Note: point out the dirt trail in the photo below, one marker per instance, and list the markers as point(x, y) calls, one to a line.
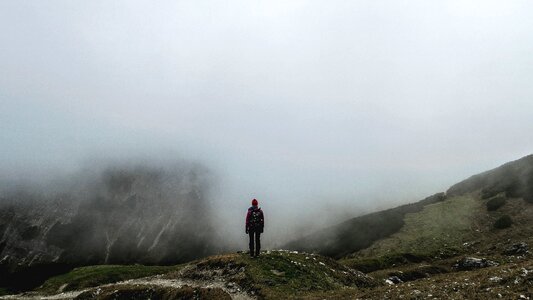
point(233, 290)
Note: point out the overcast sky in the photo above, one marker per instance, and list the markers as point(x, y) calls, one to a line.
point(302, 104)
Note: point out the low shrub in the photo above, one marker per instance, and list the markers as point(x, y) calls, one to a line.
point(495, 203)
point(503, 222)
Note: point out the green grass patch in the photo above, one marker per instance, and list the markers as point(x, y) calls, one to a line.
point(437, 227)
point(292, 276)
point(92, 276)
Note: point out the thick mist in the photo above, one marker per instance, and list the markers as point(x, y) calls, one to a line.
point(138, 210)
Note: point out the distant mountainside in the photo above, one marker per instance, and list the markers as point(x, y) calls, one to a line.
point(121, 215)
point(464, 199)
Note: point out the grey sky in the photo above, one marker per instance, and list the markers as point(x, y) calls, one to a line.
point(307, 105)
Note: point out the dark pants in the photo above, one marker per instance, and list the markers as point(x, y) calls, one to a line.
point(255, 235)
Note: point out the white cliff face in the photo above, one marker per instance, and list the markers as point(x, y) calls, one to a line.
point(125, 215)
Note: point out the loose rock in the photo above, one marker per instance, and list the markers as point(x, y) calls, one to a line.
point(470, 263)
point(519, 248)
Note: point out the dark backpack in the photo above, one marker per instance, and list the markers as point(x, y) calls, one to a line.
point(255, 218)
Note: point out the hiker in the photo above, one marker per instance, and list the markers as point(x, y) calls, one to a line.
point(255, 222)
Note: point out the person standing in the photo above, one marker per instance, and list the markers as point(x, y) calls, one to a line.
point(255, 223)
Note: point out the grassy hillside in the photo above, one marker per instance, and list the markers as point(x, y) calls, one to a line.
point(459, 226)
point(360, 232)
point(274, 275)
point(281, 274)
point(438, 226)
point(462, 201)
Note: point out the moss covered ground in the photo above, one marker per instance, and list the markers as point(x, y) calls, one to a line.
point(289, 274)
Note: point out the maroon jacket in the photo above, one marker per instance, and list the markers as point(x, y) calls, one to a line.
point(255, 227)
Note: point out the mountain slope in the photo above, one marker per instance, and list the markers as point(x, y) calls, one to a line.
point(514, 178)
point(468, 216)
point(118, 215)
point(439, 226)
point(360, 232)
point(435, 215)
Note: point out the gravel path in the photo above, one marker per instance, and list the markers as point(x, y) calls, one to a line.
point(232, 289)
